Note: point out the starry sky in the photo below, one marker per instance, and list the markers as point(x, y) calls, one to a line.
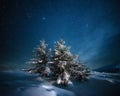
point(90, 27)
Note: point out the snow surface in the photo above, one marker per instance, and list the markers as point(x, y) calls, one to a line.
point(19, 83)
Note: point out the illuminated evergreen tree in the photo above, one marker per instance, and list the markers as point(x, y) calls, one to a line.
point(40, 58)
point(58, 64)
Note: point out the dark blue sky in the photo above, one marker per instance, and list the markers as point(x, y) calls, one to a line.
point(90, 27)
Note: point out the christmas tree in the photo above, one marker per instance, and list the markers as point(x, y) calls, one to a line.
point(58, 64)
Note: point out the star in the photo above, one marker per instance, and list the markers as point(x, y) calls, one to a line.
point(43, 18)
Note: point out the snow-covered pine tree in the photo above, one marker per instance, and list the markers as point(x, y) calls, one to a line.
point(58, 64)
point(40, 58)
point(64, 61)
point(61, 57)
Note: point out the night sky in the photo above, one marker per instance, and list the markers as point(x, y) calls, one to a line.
point(90, 27)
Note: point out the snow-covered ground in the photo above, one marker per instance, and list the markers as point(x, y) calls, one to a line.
point(19, 83)
point(110, 77)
